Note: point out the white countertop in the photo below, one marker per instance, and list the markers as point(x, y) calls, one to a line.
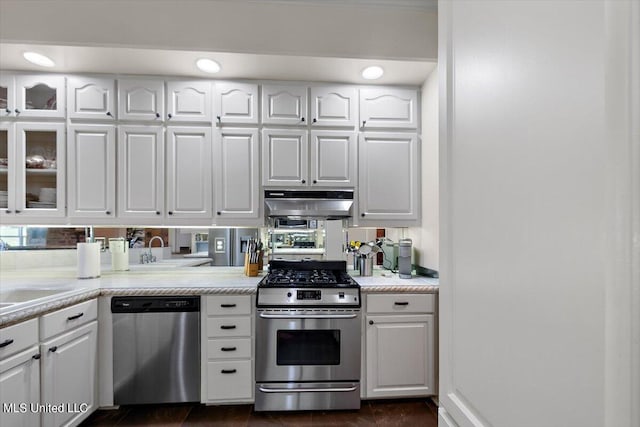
point(173, 276)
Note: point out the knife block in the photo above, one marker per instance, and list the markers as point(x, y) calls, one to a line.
point(250, 269)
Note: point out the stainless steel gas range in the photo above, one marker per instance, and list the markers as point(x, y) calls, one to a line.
point(308, 334)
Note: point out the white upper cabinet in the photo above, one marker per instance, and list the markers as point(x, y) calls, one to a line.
point(284, 157)
point(236, 160)
point(388, 178)
point(333, 158)
point(188, 173)
point(284, 105)
point(333, 106)
point(388, 108)
point(189, 101)
point(92, 171)
point(141, 173)
point(141, 100)
point(7, 95)
point(236, 103)
point(39, 96)
point(92, 98)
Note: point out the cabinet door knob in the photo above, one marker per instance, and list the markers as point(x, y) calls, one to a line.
point(219, 119)
point(314, 120)
point(7, 110)
point(53, 349)
point(36, 356)
point(371, 322)
point(17, 211)
point(302, 119)
point(218, 213)
point(109, 114)
point(169, 115)
point(157, 115)
point(304, 181)
point(364, 122)
point(108, 212)
point(157, 212)
point(315, 181)
point(17, 111)
point(362, 214)
point(170, 213)
point(8, 211)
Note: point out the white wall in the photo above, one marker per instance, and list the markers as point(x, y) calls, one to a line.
point(426, 238)
point(527, 219)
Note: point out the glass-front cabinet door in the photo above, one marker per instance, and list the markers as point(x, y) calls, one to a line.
point(39, 170)
point(40, 96)
point(7, 166)
point(7, 95)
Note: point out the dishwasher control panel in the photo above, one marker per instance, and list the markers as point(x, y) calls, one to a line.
point(155, 304)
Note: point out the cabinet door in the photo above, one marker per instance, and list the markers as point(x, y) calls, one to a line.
point(333, 158)
point(7, 169)
point(69, 373)
point(284, 157)
point(141, 173)
point(388, 108)
point(141, 100)
point(284, 105)
point(333, 106)
point(7, 96)
point(400, 356)
point(40, 170)
point(19, 388)
point(189, 182)
point(189, 101)
point(236, 103)
point(92, 171)
point(237, 174)
point(388, 177)
point(92, 98)
point(40, 96)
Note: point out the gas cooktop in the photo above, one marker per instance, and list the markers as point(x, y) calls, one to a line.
point(317, 274)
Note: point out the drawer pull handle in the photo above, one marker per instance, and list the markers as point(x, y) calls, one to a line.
point(227, 305)
point(228, 327)
point(6, 343)
point(77, 316)
point(401, 303)
point(53, 349)
point(228, 349)
point(36, 356)
point(228, 371)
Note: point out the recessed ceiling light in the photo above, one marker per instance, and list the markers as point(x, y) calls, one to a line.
point(372, 73)
point(208, 65)
point(38, 59)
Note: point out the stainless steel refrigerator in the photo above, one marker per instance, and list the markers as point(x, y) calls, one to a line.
point(228, 245)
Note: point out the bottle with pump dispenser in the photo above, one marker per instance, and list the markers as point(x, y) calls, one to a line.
point(404, 258)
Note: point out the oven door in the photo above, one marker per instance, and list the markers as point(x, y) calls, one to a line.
point(307, 345)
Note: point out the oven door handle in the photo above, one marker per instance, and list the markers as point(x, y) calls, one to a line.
point(307, 316)
point(307, 390)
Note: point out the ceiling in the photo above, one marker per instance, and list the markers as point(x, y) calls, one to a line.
point(309, 40)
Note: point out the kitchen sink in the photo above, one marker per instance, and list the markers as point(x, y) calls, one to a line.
point(22, 295)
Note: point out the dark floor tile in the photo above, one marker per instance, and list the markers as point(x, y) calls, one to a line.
point(105, 417)
point(284, 419)
point(360, 418)
point(400, 413)
point(156, 415)
point(218, 416)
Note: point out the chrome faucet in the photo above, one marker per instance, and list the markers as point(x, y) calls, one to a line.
point(150, 257)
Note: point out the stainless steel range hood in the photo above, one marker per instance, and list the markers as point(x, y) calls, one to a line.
point(315, 204)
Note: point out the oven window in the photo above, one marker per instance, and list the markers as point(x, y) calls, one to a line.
point(308, 347)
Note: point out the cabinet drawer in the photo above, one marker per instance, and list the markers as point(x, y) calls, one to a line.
point(228, 327)
point(68, 318)
point(233, 348)
point(18, 337)
point(224, 305)
point(401, 303)
point(229, 380)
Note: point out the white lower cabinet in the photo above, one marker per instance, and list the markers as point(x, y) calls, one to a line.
point(227, 349)
point(400, 345)
point(19, 375)
point(69, 375)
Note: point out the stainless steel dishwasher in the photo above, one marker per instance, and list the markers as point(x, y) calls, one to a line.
point(156, 349)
